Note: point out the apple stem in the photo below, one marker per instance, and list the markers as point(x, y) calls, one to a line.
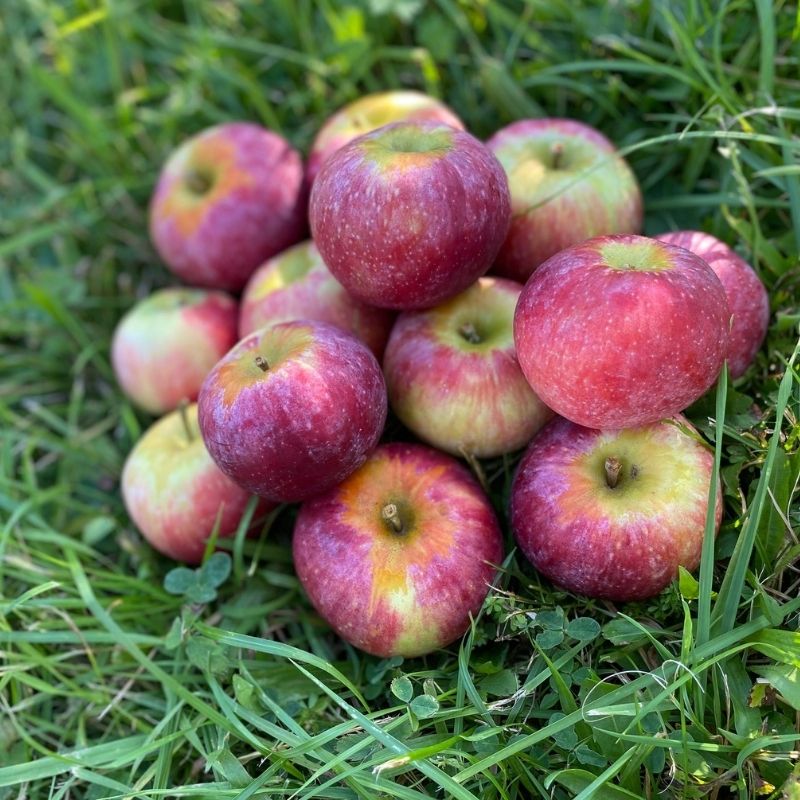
point(187, 428)
point(613, 467)
point(557, 150)
point(390, 514)
point(262, 363)
point(470, 333)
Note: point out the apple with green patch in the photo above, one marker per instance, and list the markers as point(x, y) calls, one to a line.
point(296, 284)
point(164, 347)
point(400, 555)
point(226, 200)
point(293, 409)
point(613, 514)
point(453, 376)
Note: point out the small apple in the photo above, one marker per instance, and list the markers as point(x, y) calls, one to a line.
point(747, 297)
point(371, 112)
point(613, 514)
point(453, 377)
point(164, 347)
point(567, 184)
point(293, 409)
point(173, 491)
point(398, 557)
point(226, 200)
point(410, 214)
point(297, 285)
point(621, 330)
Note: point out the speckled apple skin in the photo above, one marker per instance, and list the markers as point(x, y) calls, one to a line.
point(174, 492)
point(255, 208)
point(747, 297)
point(371, 112)
point(616, 348)
point(401, 594)
point(619, 544)
point(164, 347)
point(297, 285)
point(409, 230)
point(306, 423)
point(551, 210)
point(459, 396)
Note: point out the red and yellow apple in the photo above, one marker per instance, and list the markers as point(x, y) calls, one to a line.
point(613, 514)
point(621, 331)
point(293, 409)
point(453, 377)
point(297, 285)
point(410, 215)
point(226, 200)
point(164, 347)
point(399, 555)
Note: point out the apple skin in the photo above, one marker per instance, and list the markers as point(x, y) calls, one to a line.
point(301, 424)
point(410, 215)
point(371, 112)
point(621, 331)
point(174, 492)
point(226, 200)
point(747, 297)
point(551, 210)
point(296, 284)
point(164, 347)
point(459, 395)
point(624, 543)
point(401, 593)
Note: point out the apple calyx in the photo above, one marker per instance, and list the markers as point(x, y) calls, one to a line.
point(183, 407)
point(262, 363)
point(391, 516)
point(470, 333)
point(556, 151)
point(198, 182)
point(613, 467)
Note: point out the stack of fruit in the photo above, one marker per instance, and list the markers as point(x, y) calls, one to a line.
point(589, 364)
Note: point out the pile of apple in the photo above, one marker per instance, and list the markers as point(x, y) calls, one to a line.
point(589, 363)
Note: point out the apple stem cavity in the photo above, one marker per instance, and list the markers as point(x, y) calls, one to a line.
point(183, 407)
point(469, 332)
point(557, 151)
point(262, 363)
point(613, 467)
point(197, 182)
point(391, 516)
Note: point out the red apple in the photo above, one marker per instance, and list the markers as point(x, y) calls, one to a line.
point(371, 112)
point(293, 409)
point(399, 556)
point(453, 377)
point(621, 330)
point(164, 347)
point(174, 492)
point(410, 214)
point(297, 285)
point(613, 514)
point(228, 199)
point(747, 297)
point(567, 184)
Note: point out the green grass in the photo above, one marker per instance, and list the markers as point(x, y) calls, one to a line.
point(112, 687)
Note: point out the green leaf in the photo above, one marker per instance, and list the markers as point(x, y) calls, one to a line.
point(207, 656)
point(97, 529)
point(587, 756)
point(500, 684)
point(402, 689)
point(566, 738)
point(424, 706)
point(550, 620)
point(174, 635)
point(621, 631)
point(549, 639)
point(687, 584)
point(216, 570)
point(785, 679)
point(584, 629)
point(180, 580)
point(200, 593)
point(578, 779)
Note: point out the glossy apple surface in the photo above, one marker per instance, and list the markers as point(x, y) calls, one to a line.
point(398, 556)
point(567, 184)
point(453, 376)
point(164, 347)
point(612, 514)
point(173, 491)
point(621, 331)
point(293, 409)
point(297, 285)
point(747, 297)
point(410, 215)
point(371, 112)
point(226, 200)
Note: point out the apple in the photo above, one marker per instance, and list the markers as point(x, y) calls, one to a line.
point(567, 184)
point(371, 112)
point(410, 214)
point(296, 284)
point(226, 200)
point(293, 409)
point(621, 330)
point(613, 514)
point(400, 555)
point(173, 491)
point(747, 297)
point(164, 347)
point(453, 377)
